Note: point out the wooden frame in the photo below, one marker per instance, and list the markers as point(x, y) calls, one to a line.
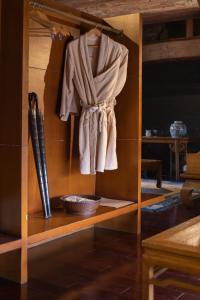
point(192, 181)
point(176, 249)
point(177, 146)
point(13, 140)
point(23, 199)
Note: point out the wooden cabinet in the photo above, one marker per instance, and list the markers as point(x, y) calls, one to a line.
point(34, 63)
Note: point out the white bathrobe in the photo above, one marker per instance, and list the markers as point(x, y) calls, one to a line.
point(91, 87)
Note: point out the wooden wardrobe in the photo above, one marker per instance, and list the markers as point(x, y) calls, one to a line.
point(34, 63)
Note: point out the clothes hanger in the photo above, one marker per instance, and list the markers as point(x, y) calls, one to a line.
point(94, 36)
point(94, 31)
point(49, 28)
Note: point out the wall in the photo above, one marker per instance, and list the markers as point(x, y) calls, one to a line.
point(11, 116)
point(171, 91)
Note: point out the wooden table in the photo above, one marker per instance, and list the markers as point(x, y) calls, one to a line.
point(177, 248)
point(176, 145)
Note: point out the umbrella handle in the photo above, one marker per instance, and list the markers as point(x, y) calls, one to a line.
point(33, 100)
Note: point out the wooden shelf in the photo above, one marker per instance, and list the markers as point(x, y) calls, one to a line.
point(150, 199)
point(9, 243)
point(41, 230)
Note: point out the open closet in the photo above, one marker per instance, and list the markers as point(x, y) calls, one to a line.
point(33, 38)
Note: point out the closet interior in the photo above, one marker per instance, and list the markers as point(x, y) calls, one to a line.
point(33, 41)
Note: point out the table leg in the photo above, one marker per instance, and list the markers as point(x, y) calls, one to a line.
point(171, 163)
point(148, 288)
point(177, 160)
point(159, 176)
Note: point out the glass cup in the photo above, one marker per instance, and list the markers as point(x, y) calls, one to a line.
point(148, 132)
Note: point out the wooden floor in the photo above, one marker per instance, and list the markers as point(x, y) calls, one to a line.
point(95, 265)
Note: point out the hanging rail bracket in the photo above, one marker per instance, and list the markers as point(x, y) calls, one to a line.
point(37, 5)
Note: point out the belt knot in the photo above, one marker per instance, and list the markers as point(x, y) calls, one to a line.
point(101, 107)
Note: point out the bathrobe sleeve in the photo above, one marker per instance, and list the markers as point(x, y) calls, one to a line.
point(69, 100)
point(122, 75)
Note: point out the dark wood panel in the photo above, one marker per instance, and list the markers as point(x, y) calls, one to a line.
point(11, 74)
point(10, 190)
point(10, 264)
point(171, 15)
point(13, 138)
point(125, 223)
point(5, 238)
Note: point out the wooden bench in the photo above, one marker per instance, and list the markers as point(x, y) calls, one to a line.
point(153, 165)
point(192, 180)
point(177, 249)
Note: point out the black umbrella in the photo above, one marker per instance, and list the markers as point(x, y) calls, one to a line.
point(40, 123)
point(36, 122)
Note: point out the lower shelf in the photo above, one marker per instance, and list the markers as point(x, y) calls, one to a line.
point(9, 243)
point(41, 230)
point(150, 199)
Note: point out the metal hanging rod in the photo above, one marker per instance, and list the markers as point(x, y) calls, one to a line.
point(38, 5)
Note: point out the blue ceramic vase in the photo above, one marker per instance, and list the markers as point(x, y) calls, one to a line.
point(178, 129)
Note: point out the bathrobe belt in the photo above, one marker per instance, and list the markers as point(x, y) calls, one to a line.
point(102, 108)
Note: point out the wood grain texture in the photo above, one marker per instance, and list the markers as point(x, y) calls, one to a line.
point(193, 163)
point(182, 49)
point(153, 11)
point(182, 239)
point(24, 141)
point(10, 265)
point(124, 223)
point(71, 22)
point(10, 129)
point(150, 199)
point(13, 138)
point(45, 78)
point(9, 243)
point(105, 8)
point(41, 230)
point(15, 152)
point(97, 264)
point(124, 183)
point(39, 57)
point(171, 15)
point(192, 180)
point(176, 248)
